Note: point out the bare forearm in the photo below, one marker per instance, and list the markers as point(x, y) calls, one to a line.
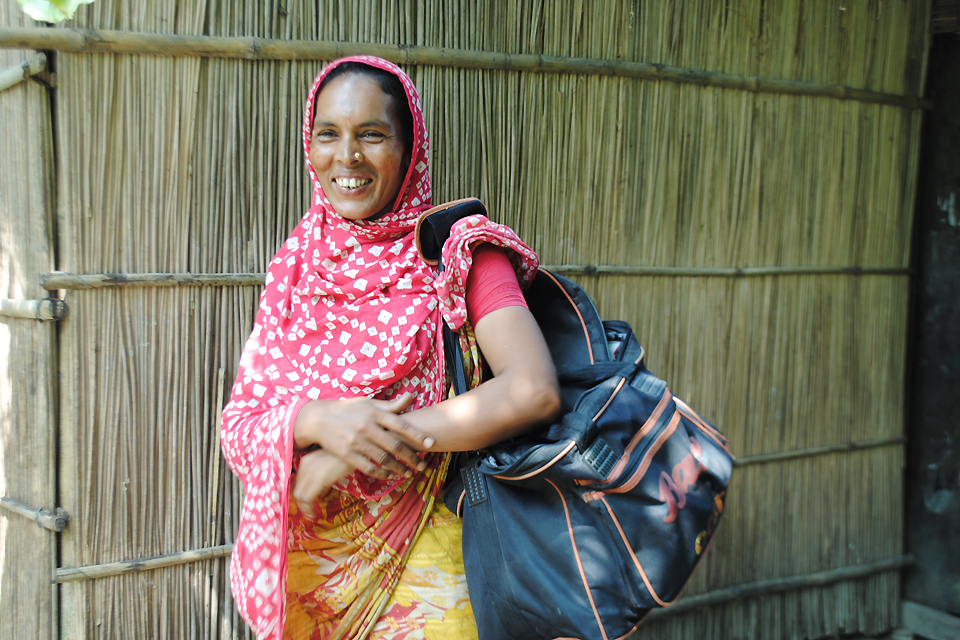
point(496, 410)
point(523, 392)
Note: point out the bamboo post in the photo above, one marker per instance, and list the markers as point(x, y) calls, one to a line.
point(712, 598)
point(53, 520)
point(30, 67)
point(90, 572)
point(817, 451)
point(57, 281)
point(45, 309)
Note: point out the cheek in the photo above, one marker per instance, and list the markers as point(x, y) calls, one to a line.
point(316, 158)
point(399, 165)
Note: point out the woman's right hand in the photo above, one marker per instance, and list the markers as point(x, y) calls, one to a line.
point(367, 434)
point(318, 472)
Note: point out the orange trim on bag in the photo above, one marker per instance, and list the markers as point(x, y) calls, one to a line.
point(629, 633)
point(583, 324)
point(696, 417)
point(696, 566)
point(637, 437)
point(544, 467)
point(576, 554)
point(610, 399)
point(633, 556)
point(648, 457)
point(708, 431)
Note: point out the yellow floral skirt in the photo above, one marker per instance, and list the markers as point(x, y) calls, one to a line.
point(430, 600)
point(385, 570)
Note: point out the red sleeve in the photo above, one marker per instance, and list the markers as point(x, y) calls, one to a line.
point(492, 283)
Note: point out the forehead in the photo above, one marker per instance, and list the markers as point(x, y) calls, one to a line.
point(354, 96)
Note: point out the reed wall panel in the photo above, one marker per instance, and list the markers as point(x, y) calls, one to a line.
point(196, 165)
point(28, 604)
point(848, 609)
point(147, 477)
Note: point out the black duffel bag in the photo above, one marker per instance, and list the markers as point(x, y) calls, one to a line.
point(580, 528)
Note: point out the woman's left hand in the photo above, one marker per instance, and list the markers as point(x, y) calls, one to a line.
point(318, 471)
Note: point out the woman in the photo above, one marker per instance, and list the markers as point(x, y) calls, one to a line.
point(342, 378)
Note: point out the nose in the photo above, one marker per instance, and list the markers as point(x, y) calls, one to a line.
point(350, 150)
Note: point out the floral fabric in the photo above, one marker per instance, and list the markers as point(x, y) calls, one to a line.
point(336, 589)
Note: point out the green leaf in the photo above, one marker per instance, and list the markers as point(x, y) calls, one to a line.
point(53, 11)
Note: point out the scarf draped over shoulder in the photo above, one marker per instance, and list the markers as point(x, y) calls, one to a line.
point(349, 310)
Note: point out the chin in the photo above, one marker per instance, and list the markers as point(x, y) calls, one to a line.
point(357, 216)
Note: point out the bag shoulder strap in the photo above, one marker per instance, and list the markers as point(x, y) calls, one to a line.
point(432, 230)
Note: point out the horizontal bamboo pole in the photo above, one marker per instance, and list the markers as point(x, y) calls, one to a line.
point(15, 75)
point(778, 585)
point(59, 280)
point(45, 309)
point(91, 572)
point(720, 596)
point(723, 272)
point(817, 451)
point(55, 281)
point(54, 521)
point(251, 48)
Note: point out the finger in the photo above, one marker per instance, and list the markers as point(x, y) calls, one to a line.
point(384, 459)
point(403, 454)
point(384, 447)
point(366, 465)
point(409, 433)
point(371, 457)
point(305, 507)
point(398, 404)
point(304, 504)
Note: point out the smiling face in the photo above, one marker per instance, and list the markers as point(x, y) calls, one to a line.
point(357, 149)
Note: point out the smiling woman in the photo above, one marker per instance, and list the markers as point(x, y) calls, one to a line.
point(336, 425)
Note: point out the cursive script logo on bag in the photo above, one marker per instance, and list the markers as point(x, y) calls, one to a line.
point(674, 487)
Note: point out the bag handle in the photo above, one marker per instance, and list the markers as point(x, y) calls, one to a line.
point(434, 224)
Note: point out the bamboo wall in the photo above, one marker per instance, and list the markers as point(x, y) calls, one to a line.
point(189, 164)
point(28, 604)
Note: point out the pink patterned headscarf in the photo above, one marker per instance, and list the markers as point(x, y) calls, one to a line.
point(349, 310)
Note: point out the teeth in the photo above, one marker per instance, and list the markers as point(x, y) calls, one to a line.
point(352, 183)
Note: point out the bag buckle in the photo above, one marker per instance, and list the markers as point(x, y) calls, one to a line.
point(475, 486)
point(600, 457)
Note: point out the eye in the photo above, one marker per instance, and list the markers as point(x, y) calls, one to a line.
point(325, 134)
point(372, 136)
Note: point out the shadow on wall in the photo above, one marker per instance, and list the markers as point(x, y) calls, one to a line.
point(933, 464)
